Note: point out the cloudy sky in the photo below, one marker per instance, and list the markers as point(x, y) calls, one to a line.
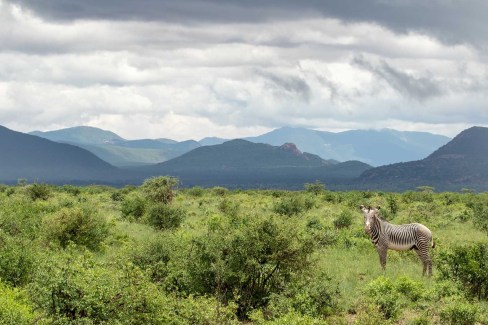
point(186, 69)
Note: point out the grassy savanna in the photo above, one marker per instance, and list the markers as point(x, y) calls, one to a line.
point(157, 254)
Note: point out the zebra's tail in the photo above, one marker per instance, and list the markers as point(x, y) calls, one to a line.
point(433, 243)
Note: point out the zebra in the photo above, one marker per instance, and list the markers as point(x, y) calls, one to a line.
point(385, 235)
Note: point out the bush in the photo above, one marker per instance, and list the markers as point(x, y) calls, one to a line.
point(133, 205)
point(16, 260)
point(160, 189)
point(196, 191)
point(289, 206)
point(459, 312)
point(15, 307)
point(82, 226)
point(315, 188)
point(163, 217)
point(344, 220)
point(229, 208)
point(390, 295)
point(220, 191)
point(39, 191)
point(246, 262)
point(74, 289)
point(469, 266)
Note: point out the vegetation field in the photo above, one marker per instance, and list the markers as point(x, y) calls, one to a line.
point(156, 254)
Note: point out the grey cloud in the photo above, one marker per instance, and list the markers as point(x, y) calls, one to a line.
point(418, 88)
point(450, 21)
point(290, 84)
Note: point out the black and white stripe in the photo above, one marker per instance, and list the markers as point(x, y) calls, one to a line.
point(385, 235)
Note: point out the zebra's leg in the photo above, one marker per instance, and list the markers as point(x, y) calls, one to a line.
point(425, 259)
point(382, 252)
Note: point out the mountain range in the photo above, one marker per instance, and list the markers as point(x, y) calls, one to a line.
point(116, 150)
point(37, 159)
point(374, 147)
point(460, 163)
point(241, 163)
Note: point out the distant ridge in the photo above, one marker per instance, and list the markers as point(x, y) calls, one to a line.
point(375, 147)
point(244, 164)
point(461, 163)
point(116, 150)
point(37, 159)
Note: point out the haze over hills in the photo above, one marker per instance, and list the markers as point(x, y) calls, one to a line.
point(36, 159)
point(117, 150)
point(463, 162)
point(460, 163)
point(375, 147)
point(241, 163)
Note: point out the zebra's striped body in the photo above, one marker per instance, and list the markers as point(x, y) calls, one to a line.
point(385, 235)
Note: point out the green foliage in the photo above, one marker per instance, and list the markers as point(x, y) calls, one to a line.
point(344, 220)
point(74, 288)
point(247, 262)
point(15, 307)
point(315, 188)
point(16, 259)
point(220, 191)
point(163, 217)
point(80, 225)
point(480, 213)
point(289, 206)
point(392, 204)
point(133, 206)
point(196, 191)
point(229, 208)
point(234, 258)
point(39, 191)
point(459, 312)
point(307, 297)
point(390, 295)
point(160, 189)
point(468, 265)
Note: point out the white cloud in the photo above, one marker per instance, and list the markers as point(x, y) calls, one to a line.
point(163, 79)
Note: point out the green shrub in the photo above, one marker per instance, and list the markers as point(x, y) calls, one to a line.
point(74, 288)
point(246, 262)
point(160, 189)
point(133, 206)
point(229, 207)
point(307, 297)
point(390, 296)
point(39, 191)
point(16, 260)
point(117, 196)
point(73, 190)
point(163, 217)
point(315, 188)
point(220, 191)
point(344, 220)
point(82, 226)
point(289, 206)
point(196, 191)
point(154, 256)
point(15, 307)
point(467, 265)
point(459, 312)
point(382, 292)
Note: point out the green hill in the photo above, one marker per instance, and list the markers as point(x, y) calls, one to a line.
point(37, 159)
point(243, 164)
point(461, 163)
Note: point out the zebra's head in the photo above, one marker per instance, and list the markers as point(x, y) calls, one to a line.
point(369, 214)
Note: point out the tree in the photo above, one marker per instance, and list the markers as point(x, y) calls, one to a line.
point(160, 189)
